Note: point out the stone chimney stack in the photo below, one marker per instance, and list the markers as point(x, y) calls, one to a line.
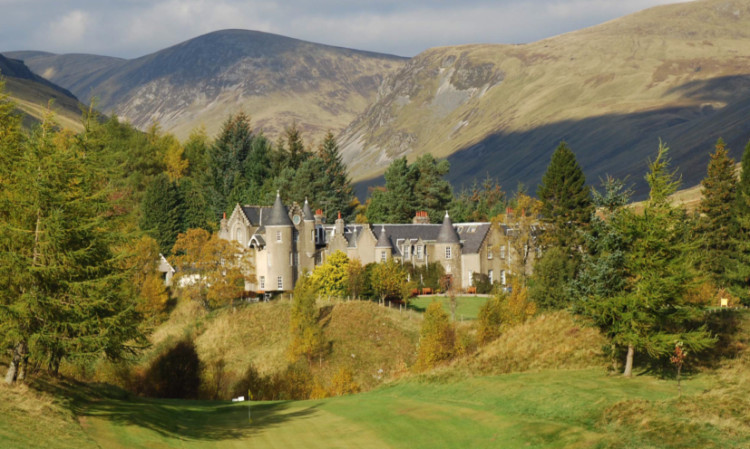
point(422, 217)
point(319, 217)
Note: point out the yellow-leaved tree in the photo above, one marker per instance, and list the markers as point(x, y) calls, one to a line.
point(210, 270)
point(437, 338)
point(332, 277)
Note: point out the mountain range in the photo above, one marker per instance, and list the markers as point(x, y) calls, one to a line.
point(678, 73)
point(275, 79)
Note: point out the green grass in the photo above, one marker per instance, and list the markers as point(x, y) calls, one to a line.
point(550, 409)
point(467, 307)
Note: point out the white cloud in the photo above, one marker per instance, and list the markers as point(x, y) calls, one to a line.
point(70, 30)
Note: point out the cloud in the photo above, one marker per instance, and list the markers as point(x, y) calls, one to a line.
point(137, 27)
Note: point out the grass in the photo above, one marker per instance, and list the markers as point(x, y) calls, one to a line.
point(467, 307)
point(550, 409)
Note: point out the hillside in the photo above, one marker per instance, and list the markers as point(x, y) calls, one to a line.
point(275, 79)
point(679, 72)
point(32, 95)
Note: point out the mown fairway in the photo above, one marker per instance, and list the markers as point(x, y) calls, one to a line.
point(551, 409)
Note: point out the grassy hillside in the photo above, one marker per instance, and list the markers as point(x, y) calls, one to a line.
point(678, 72)
point(551, 404)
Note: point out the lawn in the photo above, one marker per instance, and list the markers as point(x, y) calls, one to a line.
point(467, 307)
point(550, 409)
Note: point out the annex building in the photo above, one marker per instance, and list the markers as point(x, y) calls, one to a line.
point(286, 242)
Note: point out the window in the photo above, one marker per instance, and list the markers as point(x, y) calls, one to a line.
point(280, 283)
point(262, 282)
point(489, 254)
point(407, 251)
point(312, 235)
point(382, 256)
point(278, 236)
point(296, 236)
point(491, 276)
point(447, 252)
point(419, 252)
point(502, 252)
point(502, 277)
point(291, 258)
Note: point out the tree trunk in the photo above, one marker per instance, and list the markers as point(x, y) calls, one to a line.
point(10, 376)
point(23, 352)
point(629, 362)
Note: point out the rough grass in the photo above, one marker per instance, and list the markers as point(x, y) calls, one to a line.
point(549, 341)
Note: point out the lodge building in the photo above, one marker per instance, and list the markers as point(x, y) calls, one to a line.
point(287, 242)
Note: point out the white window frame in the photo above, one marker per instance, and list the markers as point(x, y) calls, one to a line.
point(278, 236)
point(280, 282)
point(262, 282)
point(490, 256)
point(502, 251)
point(448, 252)
point(419, 252)
point(383, 256)
point(491, 275)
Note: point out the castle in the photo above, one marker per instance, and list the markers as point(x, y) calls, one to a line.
point(287, 242)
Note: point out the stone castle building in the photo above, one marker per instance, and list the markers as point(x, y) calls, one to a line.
point(287, 242)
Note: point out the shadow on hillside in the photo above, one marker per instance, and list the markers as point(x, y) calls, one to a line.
point(615, 144)
point(180, 419)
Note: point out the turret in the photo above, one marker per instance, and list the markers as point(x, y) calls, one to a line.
point(281, 260)
point(448, 248)
point(383, 247)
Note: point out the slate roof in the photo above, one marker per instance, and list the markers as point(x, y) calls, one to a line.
point(257, 214)
point(279, 214)
point(447, 232)
point(307, 212)
point(472, 235)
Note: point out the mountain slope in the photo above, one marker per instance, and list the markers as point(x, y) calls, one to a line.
point(277, 80)
point(678, 72)
point(33, 95)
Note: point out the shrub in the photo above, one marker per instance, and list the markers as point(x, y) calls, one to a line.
point(437, 339)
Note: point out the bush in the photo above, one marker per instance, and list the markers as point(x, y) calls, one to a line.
point(482, 282)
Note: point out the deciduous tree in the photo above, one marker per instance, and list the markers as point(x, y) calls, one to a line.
point(437, 338)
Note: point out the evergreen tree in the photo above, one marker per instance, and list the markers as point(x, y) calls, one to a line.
point(549, 283)
point(226, 158)
point(62, 286)
point(295, 147)
point(432, 193)
point(395, 204)
point(738, 274)
point(566, 202)
point(162, 212)
point(716, 224)
point(196, 212)
point(338, 194)
point(652, 313)
point(196, 152)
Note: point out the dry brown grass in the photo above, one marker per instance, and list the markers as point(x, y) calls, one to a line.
point(549, 341)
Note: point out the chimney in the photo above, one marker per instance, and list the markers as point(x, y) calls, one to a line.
point(319, 217)
point(421, 217)
point(339, 225)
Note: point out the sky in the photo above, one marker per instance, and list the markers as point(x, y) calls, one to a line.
point(132, 28)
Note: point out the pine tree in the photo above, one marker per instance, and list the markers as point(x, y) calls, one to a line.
point(395, 204)
point(651, 312)
point(432, 193)
point(566, 202)
point(738, 274)
point(162, 212)
point(716, 224)
point(226, 158)
point(62, 284)
point(338, 194)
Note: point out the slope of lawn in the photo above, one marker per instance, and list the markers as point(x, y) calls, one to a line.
point(550, 409)
point(467, 307)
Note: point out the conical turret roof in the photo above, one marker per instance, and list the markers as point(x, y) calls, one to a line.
point(279, 214)
point(383, 241)
point(447, 233)
point(307, 212)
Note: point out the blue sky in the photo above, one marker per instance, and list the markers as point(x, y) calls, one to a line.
point(132, 28)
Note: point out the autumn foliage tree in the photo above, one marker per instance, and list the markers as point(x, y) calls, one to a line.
point(332, 277)
point(437, 338)
point(210, 270)
point(389, 279)
point(305, 331)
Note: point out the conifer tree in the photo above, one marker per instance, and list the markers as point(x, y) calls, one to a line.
point(432, 192)
point(716, 225)
point(566, 202)
point(395, 204)
point(738, 273)
point(62, 288)
point(338, 194)
point(226, 159)
point(162, 212)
